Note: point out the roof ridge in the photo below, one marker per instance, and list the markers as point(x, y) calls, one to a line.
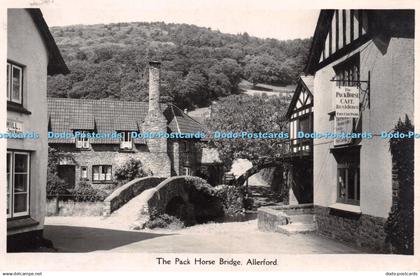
point(95, 100)
point(187, 115)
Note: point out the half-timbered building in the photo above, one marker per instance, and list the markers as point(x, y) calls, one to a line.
point(300, 117)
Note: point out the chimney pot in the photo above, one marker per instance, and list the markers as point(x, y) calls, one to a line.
point(154, 63)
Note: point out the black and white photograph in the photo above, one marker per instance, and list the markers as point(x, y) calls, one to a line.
point(204, 135)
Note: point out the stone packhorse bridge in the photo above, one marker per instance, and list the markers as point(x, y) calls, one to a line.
point(189, 198)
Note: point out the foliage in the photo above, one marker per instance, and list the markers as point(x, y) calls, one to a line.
point(55, 185)
point(200, 185)
point(399, 227)
point(85, 192)
point(164, 221)
point(253, 114)
point(203, 196)
point(198, 65)
point(131, 169)
point(232, 198)
point(263, 69)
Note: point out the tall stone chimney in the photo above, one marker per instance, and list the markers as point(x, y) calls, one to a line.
point(154, 86)
point(155, 122)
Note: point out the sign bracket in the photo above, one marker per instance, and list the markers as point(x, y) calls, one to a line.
point(357, 83)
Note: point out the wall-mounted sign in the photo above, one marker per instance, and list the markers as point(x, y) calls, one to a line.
point(343, 126)
point(14, 126)
point(346, 102)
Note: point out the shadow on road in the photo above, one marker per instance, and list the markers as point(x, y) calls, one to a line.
point(87, 239)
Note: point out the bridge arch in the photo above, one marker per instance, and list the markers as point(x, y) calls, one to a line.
point(255, 169)
point(297, 182)
point(189, 198)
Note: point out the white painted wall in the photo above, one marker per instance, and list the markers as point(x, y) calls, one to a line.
point(392, 96)
point(25, 47)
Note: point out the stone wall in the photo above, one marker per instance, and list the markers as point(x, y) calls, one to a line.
point(270, 217)
point(361, 230)
point(67, 208)
point(183, 154)
point(128, 191)
point(166, 191)
point(189, 198)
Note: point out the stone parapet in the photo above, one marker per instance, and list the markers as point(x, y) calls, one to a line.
point(128, 191)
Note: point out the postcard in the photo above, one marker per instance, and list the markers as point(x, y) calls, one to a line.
point(208, 136)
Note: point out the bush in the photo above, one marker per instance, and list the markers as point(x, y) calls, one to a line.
point(55, 185)
point(399, 227)
point(165, 221)
point(232, 198)
point(131, 169)
point(200, 185)
point(85, 192)
point(207, 205)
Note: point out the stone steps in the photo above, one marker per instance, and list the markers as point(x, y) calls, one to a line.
point(306, 218)
point(287, 219)
point(296, 228)
point(298, 224)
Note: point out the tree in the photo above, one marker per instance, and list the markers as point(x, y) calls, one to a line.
point(252, 114)
point(262, 69)
point(59, 86)
point(232, 70)
point(219, 85)
point(199, 65)
point(131, 169)
point(193, 91)
point(399, 227)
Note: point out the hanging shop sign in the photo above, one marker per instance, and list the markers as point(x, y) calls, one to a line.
point(346, 101)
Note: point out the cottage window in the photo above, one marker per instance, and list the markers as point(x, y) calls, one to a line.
point(18, 166)
point(187, 171)
point(126, 140)
point(348, 178)
point(102, 173)
point(14, 83)
point(305, 124)
point(83, 173)
point(82, 140)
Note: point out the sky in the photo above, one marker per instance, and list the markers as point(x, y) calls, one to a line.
point(263, 18)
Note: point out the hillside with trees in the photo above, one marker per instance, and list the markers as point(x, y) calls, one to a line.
point(199, 65)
